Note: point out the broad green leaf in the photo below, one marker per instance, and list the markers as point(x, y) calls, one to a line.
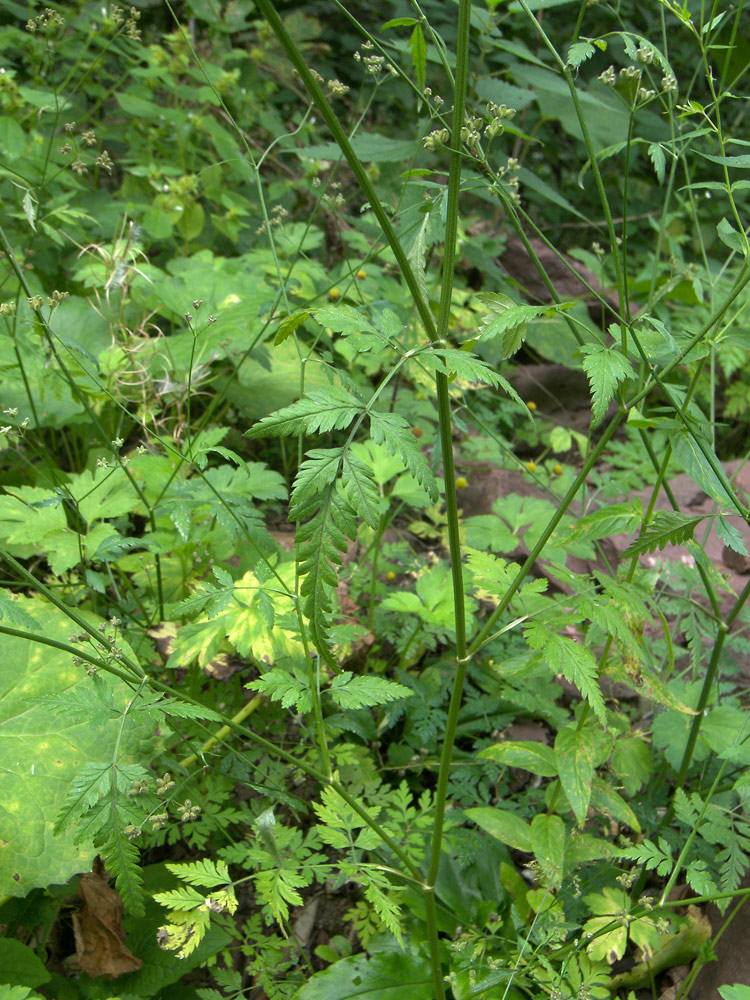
point(13, 145)
point(369, 147)
point(605, 368)
point(577, 753)
point(740, 991)
point(583, 848)
point(631, 762)
point(606, 800)
point(41, 752)
point(21, 966)
point(609, 925)
point(344, 319)
point(504, 825)
point(387, 975)
point(730, 237)
point(529, 755)
point(548, 844)
point(703, 466)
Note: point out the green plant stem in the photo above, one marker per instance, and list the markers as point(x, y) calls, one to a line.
point(222, 733)
point(708, 682)
point(451, 501)
point(269, 12)
point(583, 124)
point(691, 836)
point(564, 504)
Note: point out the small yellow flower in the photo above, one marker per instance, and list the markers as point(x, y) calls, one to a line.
point(390, 575)
point(334, 294)
point(531, 405)
point(417, 432)
point(361, 274)
point(531, 466)
point(461, 482)
point(557, 469)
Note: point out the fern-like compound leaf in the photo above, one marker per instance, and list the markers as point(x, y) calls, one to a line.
point(667, 527)
point(605, 368)
point(392, 431)
point(321, 409)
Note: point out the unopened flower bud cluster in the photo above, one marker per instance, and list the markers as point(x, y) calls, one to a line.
point(645, 56)
point(374, 64)
point(278, 214)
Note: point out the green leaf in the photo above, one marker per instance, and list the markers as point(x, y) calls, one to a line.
point(606, 800)
point(578, 53)
point(504, 825)
point(29, 205)
point(418, 48)
point(730, 237)
point(652, 857)
point(667, 527)
point(416, 256)
point(394, 433)
point(325, 409)
point(285, 687)
point(21, 966)
point(344, 319)
point(507, 320)
point(701, 463)
point(350, 692)
point(360, 489)
point(204, 872)
point(289, 325)
point(658, 159)
point(531, 756)
point(609, 520)
point(631, 762)
point(739, 991)
point(329, 522)
point(576, 757)
point(13, 613)
point(605, 368)
point(387, 975)
point(41, 754)
point(567, 657)
point(548, 844)
point(399, 22)
point(741, 162)
point(122, 858)
point(730, 535)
